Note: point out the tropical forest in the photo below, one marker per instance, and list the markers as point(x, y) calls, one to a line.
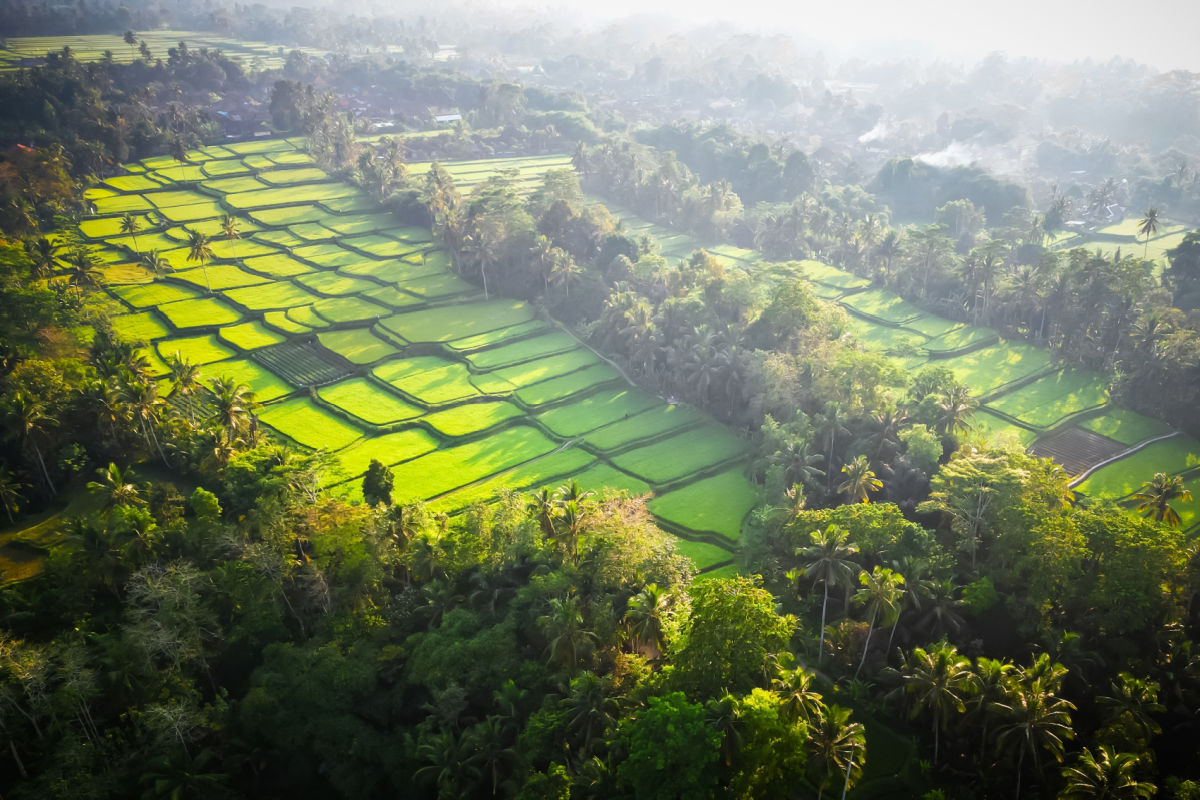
point(498, 400)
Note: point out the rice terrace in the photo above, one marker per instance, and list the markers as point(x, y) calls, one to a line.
point(361, 342)
point(441, 401)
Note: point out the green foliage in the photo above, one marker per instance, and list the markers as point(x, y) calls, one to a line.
point(672, 751)
point(732, 630)
point(377, 484)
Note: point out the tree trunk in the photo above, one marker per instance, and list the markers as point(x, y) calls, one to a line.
point(867, 644)
point(821, 644)
point(45, 472)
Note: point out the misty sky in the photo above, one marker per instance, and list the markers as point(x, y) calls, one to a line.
point(1162, 33)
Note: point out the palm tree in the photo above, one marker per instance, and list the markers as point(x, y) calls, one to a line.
point(41, 253)
point(954, 408)
point(200, 251)
point(1036, 721)
point(156, 263)
point(798, 699)
point(1155, 496)
point(940, 680)
point(860, 480)
point(231, 229)
point(1131, 708)
point(839, 745)
point(233, 407)
point(485, 743)
point(28, 418)
point(130, 226)
point(828, 561)
point(646, 616)
point(141, 401)
point(995, 682)
point(1148, 226)
point(11, 494)
point(185, 381)
point(881, 592)
point(82, 272)
point(563, 625)
point(1111, 776)
point(117, 488)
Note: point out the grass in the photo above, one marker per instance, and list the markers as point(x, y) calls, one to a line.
point(141, 327)
point(1124, 426)
point(495, 337)
point(334, 285)
point(452, 467)
point(288, 215)
point(684, 454)
point(1127, 474)
point(656, 421)
point(830, 276)
point(986, 370)
point(875, 336)
point(702, 554)
point(154, 294)
point(391, 271)
point(718, 504)
point(200, 313)
point(327, 255)
point(368, 401)
point(389, 449)
point(277, 265)
point(391, 297)
point(604, 476)
point(349, 309)
point(998, 430)
point(272, 296)
point(305, 316)
point(435, 287)
point(1049, 400)
point(308, 193)
point(470, 418)
point(960, 338)
point(727, 571)
point(279, 321)
point(523, 350)
point(312, 426)
point(250, 336)
point(596, 411)
point(931, 326)
point(883, 305)
point(265, 384)
point(546, 471)
point(557, 389)
point(214, 276)
point(429, 379)
point(358, 345)
point(196, 349)
point(437, 325)
point(543, 369)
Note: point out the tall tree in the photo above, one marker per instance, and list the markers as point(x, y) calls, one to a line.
point(1148, 226)
point(1105, 775)
point(939, 681)
point(130, 226)
point(880, 595)
point(827, 560)
point(200, 252)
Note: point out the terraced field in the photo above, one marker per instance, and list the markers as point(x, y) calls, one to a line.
point(26, 50)
point(1122, 237)
point(1026, 399)
point(360, 341)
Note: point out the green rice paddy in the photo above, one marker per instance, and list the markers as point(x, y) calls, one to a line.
point(1172, 456)
point(466, 396)
point(1124, 426)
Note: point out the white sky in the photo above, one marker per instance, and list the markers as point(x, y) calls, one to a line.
point(1162, 33)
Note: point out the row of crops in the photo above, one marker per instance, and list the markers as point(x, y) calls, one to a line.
point(1056, 411)
point(23, 50)
point(360, 341)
